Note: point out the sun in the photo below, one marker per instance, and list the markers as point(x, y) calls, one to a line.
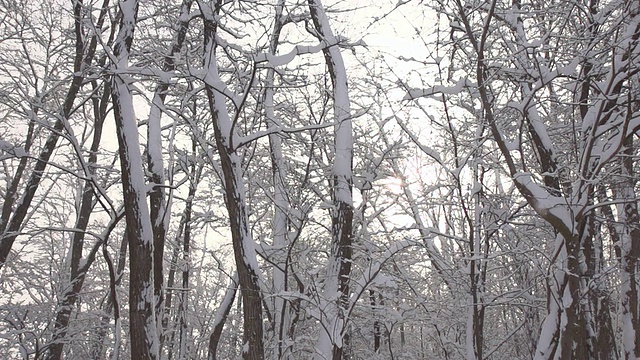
point(394, 185)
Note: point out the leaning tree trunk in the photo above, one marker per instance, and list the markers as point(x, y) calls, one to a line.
point(281, 202)
point(142, 320)
point(331, 342)
point(568, 331)
point(9, 228)
point(77, 275)
point(234, 194)
point(78, 271)
point(221, 317)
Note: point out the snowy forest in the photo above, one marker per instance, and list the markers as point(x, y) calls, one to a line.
point(319, 179)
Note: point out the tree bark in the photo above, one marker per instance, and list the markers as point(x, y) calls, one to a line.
point(281, 202)
point(234, 195)
point(221, 317)
point(332, 339)
point(142, 319)
point(629, 245)
point(77, 274)
point(160, 211)
point(11, 230)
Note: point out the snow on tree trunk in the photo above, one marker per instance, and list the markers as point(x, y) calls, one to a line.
point(221, 317)
point(282, 312)
point(112, 304)
point(568, 331)
point(11, 227)
point(160, 209)
point(78, 270)
point(186, 267)
point(234, 194)
point(335, 293)
point(142, 319)
point(629, 245)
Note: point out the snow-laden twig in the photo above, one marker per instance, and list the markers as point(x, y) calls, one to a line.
point(273, 61)
point(244, 140)
point(440, 89)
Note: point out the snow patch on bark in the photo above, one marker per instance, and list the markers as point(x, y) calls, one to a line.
point(129, 131)
point(543, 202)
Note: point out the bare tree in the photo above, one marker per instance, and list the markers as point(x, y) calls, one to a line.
point(144, 336)
point(332, 338)
point(13, 214)
point(557, 182)
point(227, 142)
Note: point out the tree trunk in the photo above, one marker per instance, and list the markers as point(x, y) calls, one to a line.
point(142, 319)
point(234, 194)
point(281, 202)
point(11, 229)
point(377, 326)
point(77, 274)
point(629, 245)
point(160, 211)
point(332, 338)
point(97, 351)
point(221, 317)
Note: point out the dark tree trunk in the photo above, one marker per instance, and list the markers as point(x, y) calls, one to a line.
point(340, 257)
point(234, 194)
point(11, 229)
point(221, 318)
point(142, 321)
point(77, 274)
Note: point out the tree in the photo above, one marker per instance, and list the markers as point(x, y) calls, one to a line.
point(227, 143)
point(557, 182)
point(336, 288)
point(472, 196)
point(144, 337)
point(14, 214)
